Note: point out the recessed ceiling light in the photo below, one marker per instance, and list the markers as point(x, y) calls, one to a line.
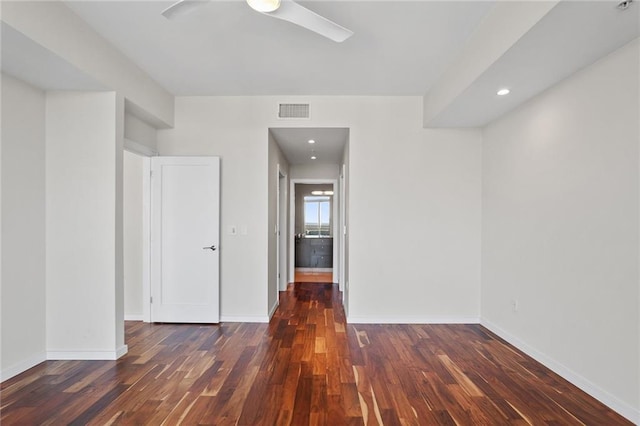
point(312, 141)
point(503, 92)
point(313, 157)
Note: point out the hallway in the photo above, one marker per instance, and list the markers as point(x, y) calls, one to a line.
point(305, 367)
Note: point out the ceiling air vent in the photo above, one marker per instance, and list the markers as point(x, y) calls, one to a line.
point(293, 111)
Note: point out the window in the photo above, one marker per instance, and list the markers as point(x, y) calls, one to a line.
point(317, 216)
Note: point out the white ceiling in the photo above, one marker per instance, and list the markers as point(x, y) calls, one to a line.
point(225, 48)
point(573, 35)
point(328, 147)
point(399, 48)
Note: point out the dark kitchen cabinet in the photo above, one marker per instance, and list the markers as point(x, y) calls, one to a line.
point(314, 252)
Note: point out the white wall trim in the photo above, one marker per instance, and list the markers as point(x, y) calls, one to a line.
point(22, 366)
point(244, 318)
point(342, 229)
point(279, 231)
point(146, 239)
point(314, 269)
point(587, 386)
point(122, 351)
point(273, 309)
point(412, 320)
point(134, 317)
point(82, 355)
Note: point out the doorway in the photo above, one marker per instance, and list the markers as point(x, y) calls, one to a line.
point(315, 237)
point(308, 155)
point(136, 230)
point(133, 165)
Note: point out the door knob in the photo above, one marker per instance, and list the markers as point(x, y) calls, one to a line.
point(212, 248)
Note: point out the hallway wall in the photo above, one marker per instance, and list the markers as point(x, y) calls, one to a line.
point(276, 158)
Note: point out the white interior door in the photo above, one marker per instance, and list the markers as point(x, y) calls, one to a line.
point(185, 231)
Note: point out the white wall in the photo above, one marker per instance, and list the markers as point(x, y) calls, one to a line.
point(412, 258)
point(142, 134)
point(315, 171)
point(414, 219)
point(133, 249)
point(206, 127)
point(276, 157)
point(560, 229)
point(117, 150)
point(84, 308)
point(23, 227)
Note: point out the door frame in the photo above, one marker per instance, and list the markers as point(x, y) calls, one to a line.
point(334, 214)
point(146, 153)
point(146, 239)
point(343, 229)
point(281, 219)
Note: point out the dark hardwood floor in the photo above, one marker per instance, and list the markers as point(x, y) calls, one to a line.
point(312, 277)
point(305, 367)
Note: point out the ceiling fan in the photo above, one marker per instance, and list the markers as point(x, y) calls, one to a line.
point(286, 10)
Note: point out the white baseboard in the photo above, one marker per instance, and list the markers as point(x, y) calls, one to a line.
point(122, 351)
point(273, 309)
point(241, 318)
point(22, 366)
point(134, 317)
point(83, 355)
point(411, 320)
point(621, 407)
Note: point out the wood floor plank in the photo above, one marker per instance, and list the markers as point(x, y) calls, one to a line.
point(307, 367)
point(98, 406)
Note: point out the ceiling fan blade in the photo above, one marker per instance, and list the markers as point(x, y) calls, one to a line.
point(182, 7)
point(299, 15)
